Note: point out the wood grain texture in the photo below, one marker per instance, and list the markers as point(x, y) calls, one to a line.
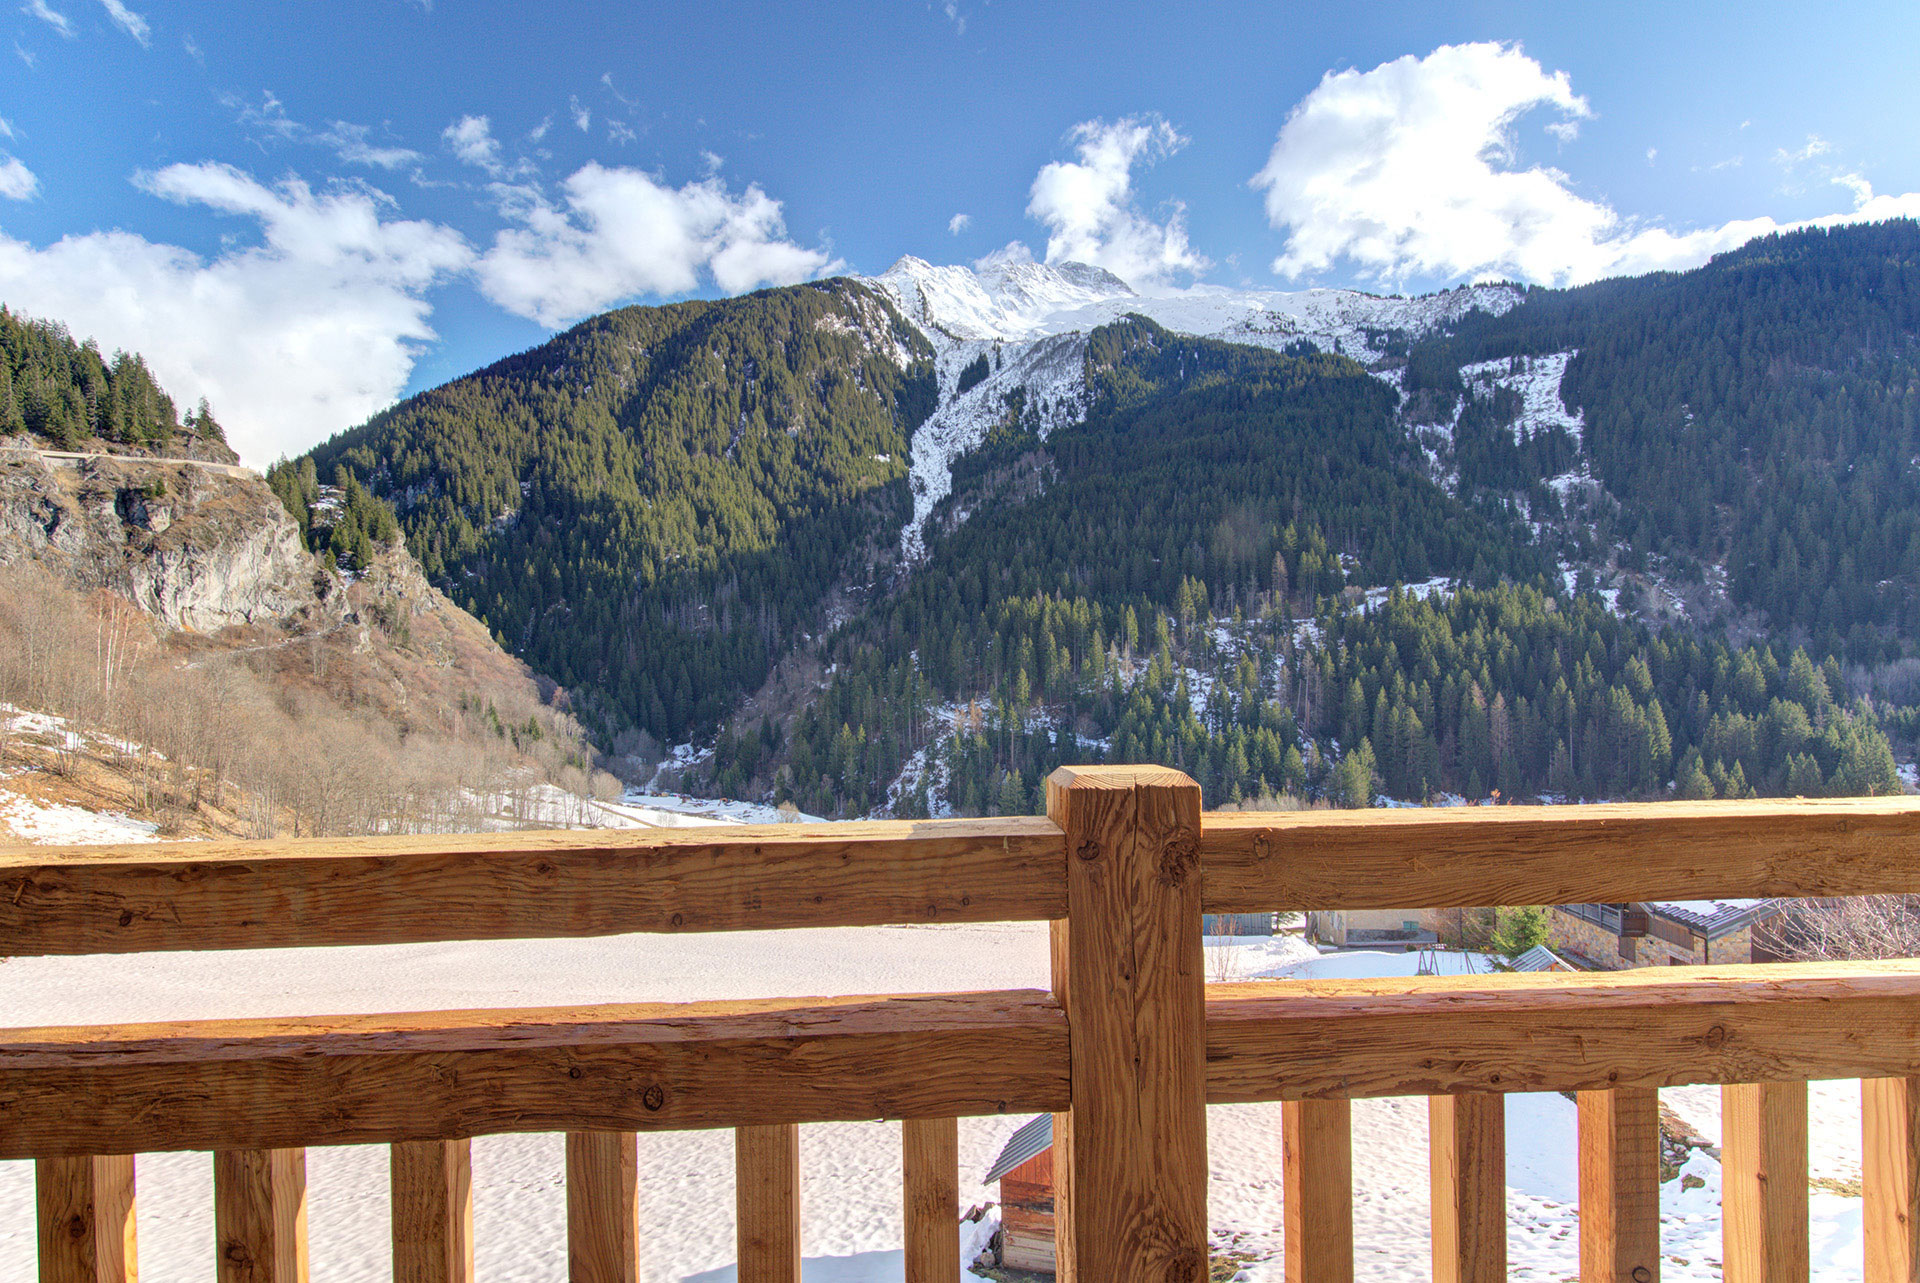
point(260, 1215)
point(431, 1183)
point(766, 1181)
point(1467, 1136)
point(1890, 1178)
point(84, 1209)
point(603, 1207)
point(386, 890)
point(1316, 1158)
point(1128, 962)
point(1655, 1027)
point(1465, 857)
point(1620, 1186)
point(1763, 1175)
point(445, 1075)
point(930, 1197)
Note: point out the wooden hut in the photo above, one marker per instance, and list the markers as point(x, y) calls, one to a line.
point(1025, 1172)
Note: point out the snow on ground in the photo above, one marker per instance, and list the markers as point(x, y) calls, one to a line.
point(674, 810)
point(23, 819)
point(1376, 597)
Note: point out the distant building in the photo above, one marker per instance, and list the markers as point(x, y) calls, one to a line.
point(1662, 933)
point(1025, 1172)
point(1403, 930)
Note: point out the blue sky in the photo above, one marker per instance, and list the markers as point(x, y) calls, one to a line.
point(303, 210)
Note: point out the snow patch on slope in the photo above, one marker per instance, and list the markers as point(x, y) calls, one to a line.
point(1537, 379)
point(1052, 372)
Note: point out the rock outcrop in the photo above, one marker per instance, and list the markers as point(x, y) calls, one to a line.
point(200, 547)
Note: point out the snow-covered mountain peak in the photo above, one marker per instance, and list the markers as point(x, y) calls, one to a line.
point(1007, 300)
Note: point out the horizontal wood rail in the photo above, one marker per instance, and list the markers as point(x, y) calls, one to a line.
point(1657, 1027)
point(1471, 856)
point(260, 1084)
point(345, 891)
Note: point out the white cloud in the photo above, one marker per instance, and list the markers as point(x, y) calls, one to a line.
point(1652, 154)
point(619, 131)
point(582, 114)
point(1088, 208)
point(307, 332)
point(472, 140)
point(1012, 254)
point(1564, 130)
point(52, 17)
point(1409, 170)
point(349, 142)
point(24, 55)
point(6, 128)
point(17, 182)
point(623, 234)
point(129, 21)
point(959, 223)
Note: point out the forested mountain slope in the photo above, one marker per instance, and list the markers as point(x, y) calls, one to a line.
point(1758, 417)
point(652, 505)
point(1011, 516)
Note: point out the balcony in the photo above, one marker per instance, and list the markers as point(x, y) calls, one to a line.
point(1127, 1048)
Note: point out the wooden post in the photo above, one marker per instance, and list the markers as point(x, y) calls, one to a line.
point(1763, 1173)
point(1620, 1186)
point(1130, 1159)
point(432, 1187)
point(930, 1191)
point(1468, 1143)
point(603, 1212)
point(1890, 1178)
point(1316, 1145)
point(766, 1179)
point(260, 1215)
point(86, 1219)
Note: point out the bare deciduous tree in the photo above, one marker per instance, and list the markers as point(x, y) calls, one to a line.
point(1872, 926)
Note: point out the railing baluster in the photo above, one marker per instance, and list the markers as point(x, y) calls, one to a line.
point(1620, 1185)
point(930, 1193)
point(432, 1196)
point(1127, 965)
point(766, 1178)
point(85, 1212)
point(1468, 1143)
point(1890, 1178)
point(603, 1212)
point(260, 1215)
point(1763, 1173)
point(1316, 1145)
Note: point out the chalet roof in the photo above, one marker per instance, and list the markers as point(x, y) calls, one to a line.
point(1034, 1137)
point(1540, 958)
point(1714, 917)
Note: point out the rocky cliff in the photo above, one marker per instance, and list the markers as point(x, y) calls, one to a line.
point(199, 546)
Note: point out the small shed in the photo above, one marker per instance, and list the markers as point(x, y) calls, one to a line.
point(1025, 1172)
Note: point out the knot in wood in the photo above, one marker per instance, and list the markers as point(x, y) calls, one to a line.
point(1184, 1265)
point(1641, 1274)
point(1088, 849)
point(76, 1227)
point(1716, 1037)
point(654, 1097)
point(1262, 845)
point(1179, 855)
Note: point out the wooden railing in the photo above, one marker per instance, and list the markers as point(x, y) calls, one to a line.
point(1127, 1049)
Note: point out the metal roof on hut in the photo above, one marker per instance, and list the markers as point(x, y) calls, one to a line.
point(1034, 1137)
